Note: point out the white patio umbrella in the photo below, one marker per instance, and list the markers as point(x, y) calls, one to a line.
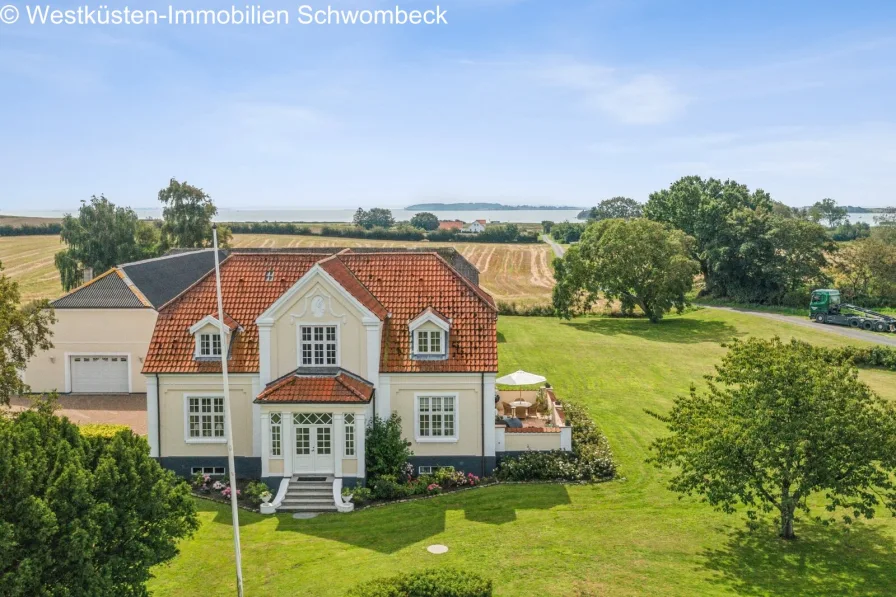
point(520, 378)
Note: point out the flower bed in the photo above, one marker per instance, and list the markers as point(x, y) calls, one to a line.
point(392, 488)
point(249, 493)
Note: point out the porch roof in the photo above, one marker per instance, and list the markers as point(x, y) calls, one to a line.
point(320, 385)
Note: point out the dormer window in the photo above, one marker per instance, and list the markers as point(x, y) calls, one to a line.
point(207, 334)
point(429, 342)
point(429, 335)
point(269, 275)
point(209, 345)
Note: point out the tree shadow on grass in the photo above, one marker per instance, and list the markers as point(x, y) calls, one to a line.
point(222, 512)
point(679, 331)
point(823, 561)
point(389, 528)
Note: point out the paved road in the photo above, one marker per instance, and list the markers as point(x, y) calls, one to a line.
point(879, 338)
point(558, 250)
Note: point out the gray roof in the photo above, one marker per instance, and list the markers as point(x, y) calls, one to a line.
point(163, 278)
point(107, 292)
point(159, 280)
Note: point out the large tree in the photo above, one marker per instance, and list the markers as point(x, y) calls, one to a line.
point(639, 262)
point(425, 220)
point(827, 209)
point(23, 332)
point(101, 236)
point(83, 516)
point(865, 270)
point(616, 207)
point(746, 251)
point(187, 217)
point(781, 423)
point(377, 217)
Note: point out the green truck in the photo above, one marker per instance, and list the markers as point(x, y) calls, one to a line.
point(825, 307)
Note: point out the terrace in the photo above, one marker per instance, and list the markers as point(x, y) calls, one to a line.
point(531, 418)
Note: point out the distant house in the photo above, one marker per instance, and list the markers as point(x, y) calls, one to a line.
point(451, 225)
point(475, 227)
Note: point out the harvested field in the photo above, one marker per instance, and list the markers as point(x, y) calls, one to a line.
point(511, 273)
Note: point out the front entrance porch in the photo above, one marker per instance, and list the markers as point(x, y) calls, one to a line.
point(313, 445)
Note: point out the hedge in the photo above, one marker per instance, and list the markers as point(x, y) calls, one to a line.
point(30, 230)
point(878, 357)
point(432, 582)
point(106, 430)
point(501, 233)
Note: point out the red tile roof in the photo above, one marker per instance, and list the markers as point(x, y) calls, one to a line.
point(339, 387)
point(394, 285)
point(450, 225)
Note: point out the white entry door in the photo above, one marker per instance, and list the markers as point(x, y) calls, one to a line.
point(314, 450)
point(102, 374)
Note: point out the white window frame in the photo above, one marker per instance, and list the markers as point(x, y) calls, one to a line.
point(212, 338)
point(441, 439)
point(300, 343)
point(430, 333)
point(281, 429)
point(349, 437)
point(202, 440)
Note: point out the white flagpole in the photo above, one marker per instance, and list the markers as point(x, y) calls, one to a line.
point(228, 426)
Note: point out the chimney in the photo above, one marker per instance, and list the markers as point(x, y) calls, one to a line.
point(88, 274)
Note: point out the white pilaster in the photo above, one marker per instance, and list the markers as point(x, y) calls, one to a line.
point(152, 415)
point(257, 426)
point(360, 434)
point(383, 401)
point(266, 443)
point(264, 353)
point(288, 447)
point(374, 335)
point(339, 440)
point(488, 410)
point(566, 438)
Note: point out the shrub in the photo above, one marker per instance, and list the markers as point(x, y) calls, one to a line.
point(433, 582)
point(555, 465)
point(361, 495)
point(387, 452)
point(104, 430)
point(536, 310)
point(255, 490)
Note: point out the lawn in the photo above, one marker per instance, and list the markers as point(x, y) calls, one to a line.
point(626, 537)
point(512, 273)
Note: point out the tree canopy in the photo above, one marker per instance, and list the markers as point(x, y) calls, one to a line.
point(187, 217)
point(781, 422)
point(746, 251)
point(828, 210)
point(616, 207)
point(639, 262)
point(83, 516)
point(377, 217)
point(101, 236)
point(425, 221)
point(24, 331)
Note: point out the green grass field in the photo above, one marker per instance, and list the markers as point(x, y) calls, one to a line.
point(628, 537)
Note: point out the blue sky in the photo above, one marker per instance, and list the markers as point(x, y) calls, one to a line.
point(553, 102)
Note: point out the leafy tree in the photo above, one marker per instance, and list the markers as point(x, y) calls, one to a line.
point(865, 271)
point(425, 221)
point(567, 232)
point(746, 252)
point(546, 226)
point(617, 207)
point(377, 217)
point(848, 231)
point(102, 236)
point(187, 217)
point(639, 262)
point(778, 423)
point(827, 209)
point(23, 332)
point(83, 516)
point(386, 451)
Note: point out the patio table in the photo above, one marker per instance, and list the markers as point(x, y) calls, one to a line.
point(521, 404)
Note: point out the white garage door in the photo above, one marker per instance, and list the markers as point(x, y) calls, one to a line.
point(99, 374)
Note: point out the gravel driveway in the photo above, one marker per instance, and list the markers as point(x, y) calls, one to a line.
point(877, 337)
point(120, 409)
